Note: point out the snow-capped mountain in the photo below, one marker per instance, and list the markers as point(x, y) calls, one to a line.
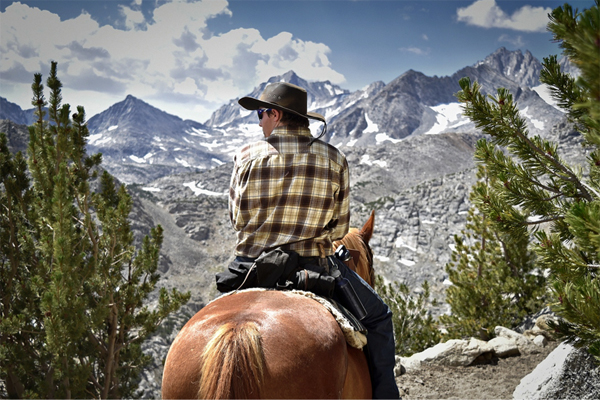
point(415, 104)
point(141, 143)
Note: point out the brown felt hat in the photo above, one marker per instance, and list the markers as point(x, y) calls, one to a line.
point(281, 96)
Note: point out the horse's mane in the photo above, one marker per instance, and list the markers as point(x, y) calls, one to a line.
point(359, 240)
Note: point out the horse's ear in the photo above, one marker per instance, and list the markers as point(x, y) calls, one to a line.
point(366, 231)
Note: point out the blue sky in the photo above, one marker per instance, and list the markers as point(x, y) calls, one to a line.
point(190, 57)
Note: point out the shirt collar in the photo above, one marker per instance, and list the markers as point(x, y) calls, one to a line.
point(287, 131)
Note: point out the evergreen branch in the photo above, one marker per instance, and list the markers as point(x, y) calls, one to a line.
point(99, 345)
point(553, 197)
point(570, 176)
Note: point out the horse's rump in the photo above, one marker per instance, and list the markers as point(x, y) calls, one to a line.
point(306, 350)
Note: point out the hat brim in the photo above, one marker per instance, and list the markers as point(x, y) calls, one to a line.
point(250, 103)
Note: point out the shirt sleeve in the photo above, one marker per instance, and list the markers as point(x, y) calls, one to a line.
point(235, 197)
point(342, 205)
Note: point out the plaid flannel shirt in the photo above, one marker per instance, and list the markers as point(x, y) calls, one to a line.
point(285, 193)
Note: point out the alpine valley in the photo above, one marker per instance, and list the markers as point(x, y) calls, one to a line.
point(409, 149)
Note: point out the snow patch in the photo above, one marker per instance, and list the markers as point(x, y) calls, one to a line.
point(198, 132)
point(536, 122)
point(182, 162)
point(544, 92)
point(408, 263)
point(371, 126)
point(151, 189)
point(112, 128)
point(535, 218)
point(447, 116)
point(382, 137)
point(198, 190)
point(244, 113)
point(92, 139)
point(141, 160)
point(330, 89)
point(212, 145)
point(250, 130)
point(382, 258)
point(366, 159)
point(400, 243)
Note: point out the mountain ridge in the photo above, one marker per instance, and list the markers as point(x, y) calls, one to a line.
point(141, 143)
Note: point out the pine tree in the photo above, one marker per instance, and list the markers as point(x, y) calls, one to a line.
point(74, 285)
point(415, 329)
point(493, 275)
point(533, 180)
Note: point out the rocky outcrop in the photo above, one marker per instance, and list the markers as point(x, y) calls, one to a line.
point(567, 373)
point(462, 353)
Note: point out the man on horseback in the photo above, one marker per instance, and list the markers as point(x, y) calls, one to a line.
point(290, 191)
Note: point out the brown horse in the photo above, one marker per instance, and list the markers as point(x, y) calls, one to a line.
point(269, 344)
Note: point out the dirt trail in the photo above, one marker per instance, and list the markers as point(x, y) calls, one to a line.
point(489, 381)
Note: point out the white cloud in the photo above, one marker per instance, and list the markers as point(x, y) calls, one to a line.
point(487, 14)
point(515, 41)
point(415, 50)
point(168, 59)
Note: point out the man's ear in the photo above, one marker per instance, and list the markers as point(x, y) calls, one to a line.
point(278, 115)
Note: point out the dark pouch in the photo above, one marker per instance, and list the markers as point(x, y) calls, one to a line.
point(275, 267)
point(315, 281)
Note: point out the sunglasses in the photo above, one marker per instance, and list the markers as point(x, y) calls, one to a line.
point(261, 111)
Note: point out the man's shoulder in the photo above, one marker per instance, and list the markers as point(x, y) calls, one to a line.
point(330, 151)
point(255, 149)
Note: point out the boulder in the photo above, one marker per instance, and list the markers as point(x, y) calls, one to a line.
point(524, 345)
point(540, 341)
point(567, 373)
point(455, 352)
point(504, 347)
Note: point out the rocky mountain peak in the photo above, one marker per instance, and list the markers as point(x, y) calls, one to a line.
point(524, 69)
point(137, 115)
point(13, 112)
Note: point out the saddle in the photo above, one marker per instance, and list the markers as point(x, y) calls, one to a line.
point(286, 270)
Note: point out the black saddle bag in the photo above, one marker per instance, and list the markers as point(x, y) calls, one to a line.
point(277, 269)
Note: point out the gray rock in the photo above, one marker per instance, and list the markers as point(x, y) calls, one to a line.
point(540, 341)
point(567, 373)
point(504, 347)
point(525, 345)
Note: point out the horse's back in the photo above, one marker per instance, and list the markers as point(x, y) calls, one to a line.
point(302, 348)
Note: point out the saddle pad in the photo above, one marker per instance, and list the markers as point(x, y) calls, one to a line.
point(353, 337)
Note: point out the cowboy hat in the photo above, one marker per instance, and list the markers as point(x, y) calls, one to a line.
point(281, 96)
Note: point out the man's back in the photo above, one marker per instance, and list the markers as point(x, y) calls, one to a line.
point(288, 192)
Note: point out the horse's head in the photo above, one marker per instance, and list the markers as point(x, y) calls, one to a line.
point(357, 241)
